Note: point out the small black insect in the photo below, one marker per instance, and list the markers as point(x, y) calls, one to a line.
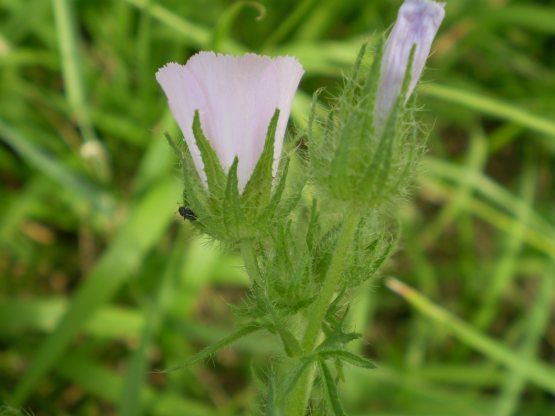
point(187, 213)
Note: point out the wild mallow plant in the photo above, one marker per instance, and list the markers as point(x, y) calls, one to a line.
point(309, 237)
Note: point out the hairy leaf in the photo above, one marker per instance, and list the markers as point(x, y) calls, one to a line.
point(331, 390)
point(213, 348)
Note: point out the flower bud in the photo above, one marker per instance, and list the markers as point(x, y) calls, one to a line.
point(370, 147)
point(416, 27)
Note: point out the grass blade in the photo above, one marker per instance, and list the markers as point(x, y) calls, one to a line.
point(134, 239)
point(492, 107)
point(533, 370)
point(58, 172)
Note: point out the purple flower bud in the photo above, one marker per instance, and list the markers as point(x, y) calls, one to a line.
point(416, 25)
point(236, 97)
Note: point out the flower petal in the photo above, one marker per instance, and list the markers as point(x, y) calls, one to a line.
point(236, 97)
point(184, 97)
point(417, 24)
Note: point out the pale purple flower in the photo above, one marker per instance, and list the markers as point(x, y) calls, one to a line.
point(417, 24)
point(236, 97)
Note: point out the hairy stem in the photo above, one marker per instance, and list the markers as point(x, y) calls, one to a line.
point(249, 259)
point(333, 276)
point(301, 393)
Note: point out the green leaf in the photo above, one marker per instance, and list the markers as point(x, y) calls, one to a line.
point(347, 357)
point(213, 348)
point(215, 175)
point(232, 212)
point(258, 188)
point(331, 390)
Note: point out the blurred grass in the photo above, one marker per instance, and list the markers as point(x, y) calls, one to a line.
point(100, 282)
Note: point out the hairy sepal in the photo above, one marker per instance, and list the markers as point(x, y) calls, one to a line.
point(194, 193)
point(215, 175)
point(222, 210)
point(232, 210)
point(258, 189)
point(358, 160)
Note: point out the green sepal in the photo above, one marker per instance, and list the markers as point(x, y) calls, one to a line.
point(259, 187)
point(312, 114)
point(272, 207)
point(331, 389)
point(379, 174)
point(215, 175)
point(411, 156)
point(351, 138)
point(353, 85)
point(341, 167)
point(290, 199)
point(372, 82)
point(232, 212)
point(376, 175)
point(194, 194)
point(175, 148)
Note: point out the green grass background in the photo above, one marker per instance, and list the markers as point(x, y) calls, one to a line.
point(101, 282)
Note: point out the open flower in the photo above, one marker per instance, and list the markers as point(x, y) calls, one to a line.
point(236, 97)
point(416, 25)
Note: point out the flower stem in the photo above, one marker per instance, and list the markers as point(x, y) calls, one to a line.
point(333, 275)
point(301, 393)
